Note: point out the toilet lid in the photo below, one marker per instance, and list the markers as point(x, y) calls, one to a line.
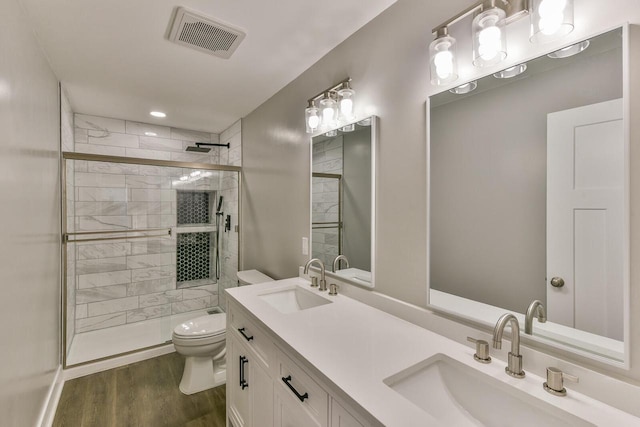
point(211, 324)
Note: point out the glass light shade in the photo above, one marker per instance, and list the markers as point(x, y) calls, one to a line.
point(464, 88)
point(329, 111)
point(489, 38)
point(346, 97)
point(312, 118)
point(442, 59)
point(550, 20)
point(507, 73)
point(568, 51)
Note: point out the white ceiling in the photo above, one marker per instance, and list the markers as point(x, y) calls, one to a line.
point(114, 60)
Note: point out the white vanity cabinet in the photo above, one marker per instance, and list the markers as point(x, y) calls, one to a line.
point(268, 387)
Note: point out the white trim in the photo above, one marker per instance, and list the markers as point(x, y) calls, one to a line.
point(104, 365)
point(48, 412)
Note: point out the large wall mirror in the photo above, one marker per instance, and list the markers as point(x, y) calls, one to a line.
point(343, 199)
point(529, 183)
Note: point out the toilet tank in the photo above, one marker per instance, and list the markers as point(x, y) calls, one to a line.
point(251, 277)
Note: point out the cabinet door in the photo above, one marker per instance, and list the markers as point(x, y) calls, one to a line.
point(238, 390)
point(289, 413)
point(261, 392)
point(341, 418)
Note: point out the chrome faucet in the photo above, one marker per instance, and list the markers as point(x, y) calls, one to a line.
point(535, 309)
point(323, 282)
point(336, 262)
point(514, 362)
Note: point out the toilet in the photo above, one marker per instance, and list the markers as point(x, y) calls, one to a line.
point(202, 342)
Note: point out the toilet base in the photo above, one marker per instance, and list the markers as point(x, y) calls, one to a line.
point(202, 373)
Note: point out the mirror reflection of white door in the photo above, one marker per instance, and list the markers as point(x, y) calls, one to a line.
point(585, 217)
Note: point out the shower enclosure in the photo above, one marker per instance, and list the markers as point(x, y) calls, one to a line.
point(148, 244)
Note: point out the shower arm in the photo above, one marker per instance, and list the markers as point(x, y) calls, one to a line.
point(210, 144)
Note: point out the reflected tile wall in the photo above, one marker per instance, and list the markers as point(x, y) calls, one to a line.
point(327, 158)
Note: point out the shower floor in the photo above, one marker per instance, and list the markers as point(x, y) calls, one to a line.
point(93, 345)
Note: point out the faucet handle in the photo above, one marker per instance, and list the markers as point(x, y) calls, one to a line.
point(314, 281)
point(482, 350)
point(555, 381)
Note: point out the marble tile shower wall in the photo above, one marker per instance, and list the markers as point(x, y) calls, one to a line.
point(327, 158)
point(126, 281)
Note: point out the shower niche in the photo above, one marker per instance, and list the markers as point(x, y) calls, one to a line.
point(197, 242)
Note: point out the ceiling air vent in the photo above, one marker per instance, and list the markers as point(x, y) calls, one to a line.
point(204, 34)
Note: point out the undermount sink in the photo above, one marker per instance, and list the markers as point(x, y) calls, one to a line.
point(293, 299)
point(459, 395)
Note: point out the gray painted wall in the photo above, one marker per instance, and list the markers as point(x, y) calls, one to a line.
point(388, 62)
point(356, 217)
point(30, 217)
point(488, 180)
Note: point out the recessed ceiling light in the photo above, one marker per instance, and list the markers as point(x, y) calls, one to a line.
point(159, 114)
point(569, 50)
point(465, 88)
point(507, 73)
point(151, 134)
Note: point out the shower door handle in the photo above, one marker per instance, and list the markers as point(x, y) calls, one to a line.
point(243, 383)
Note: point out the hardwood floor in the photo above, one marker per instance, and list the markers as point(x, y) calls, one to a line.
point(141, 394)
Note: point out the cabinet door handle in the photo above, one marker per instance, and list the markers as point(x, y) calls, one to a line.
point(243, 383)
point(241, 330)
point(287, 381)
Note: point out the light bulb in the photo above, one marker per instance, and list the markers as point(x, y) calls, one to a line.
point(346, 107)
point(551, 19)
point(314, 121)
point(490, 43)
point(444, 64)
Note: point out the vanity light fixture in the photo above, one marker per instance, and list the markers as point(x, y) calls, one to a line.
point(158, 114)
point(331, 133)
point(465, 88)
point(365, 122)
point(331, 107)
point(348, 128)
point(550, 19)
point(510, 72)
point(568, 51)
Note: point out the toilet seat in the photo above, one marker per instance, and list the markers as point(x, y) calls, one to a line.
point(202, 327)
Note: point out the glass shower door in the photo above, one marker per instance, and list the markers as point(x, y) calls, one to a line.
point(145, 250)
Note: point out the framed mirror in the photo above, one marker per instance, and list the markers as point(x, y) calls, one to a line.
point(343, 200)
point(529, 198)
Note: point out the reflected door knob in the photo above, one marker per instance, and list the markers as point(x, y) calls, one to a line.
point(557, 282)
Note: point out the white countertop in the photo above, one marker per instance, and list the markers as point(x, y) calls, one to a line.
point(356, 347)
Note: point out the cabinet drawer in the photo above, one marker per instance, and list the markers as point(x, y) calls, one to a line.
point(301, 390)
point(241, 327)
